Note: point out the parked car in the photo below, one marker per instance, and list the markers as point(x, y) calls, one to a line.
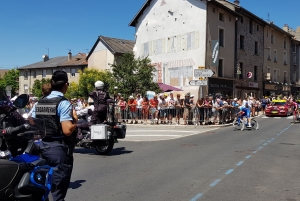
point(278, 108)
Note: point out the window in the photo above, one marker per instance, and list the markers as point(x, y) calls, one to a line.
point(220, 68)
point(284, 58)
point(278, 75)
point(269, 53)
point(256, 48)
point(294, 59)
point(213, 9)
point(221, 16)
point(295, 48)
point(146, 49)
point(158, 46)
point(251, 26)
point(284, 44)
point(25, 89)
point(272, 37)
point(274, 75)
point(221, 37)
point(241, 42)
point(25, 75)
point(284, 76)
point(34, 74)
point(275, 55)
point(44, 73)
point(257, 27)
point(255, 73)
point(73, 72)
point(242, 20)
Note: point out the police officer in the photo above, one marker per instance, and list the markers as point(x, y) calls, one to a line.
point(101, 99)
point(58, 145)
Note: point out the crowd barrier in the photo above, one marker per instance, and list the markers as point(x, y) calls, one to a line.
point(189, 116)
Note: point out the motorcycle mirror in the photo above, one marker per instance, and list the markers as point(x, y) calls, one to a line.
point(21, 101)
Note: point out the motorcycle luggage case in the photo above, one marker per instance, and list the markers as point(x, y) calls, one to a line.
point(120, 131)
point(10, 174)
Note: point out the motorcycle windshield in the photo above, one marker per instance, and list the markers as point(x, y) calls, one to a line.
point(37, 126)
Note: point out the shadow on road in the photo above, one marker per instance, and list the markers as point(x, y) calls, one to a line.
point(76, 184)
point(114, 152)
point(119, 151)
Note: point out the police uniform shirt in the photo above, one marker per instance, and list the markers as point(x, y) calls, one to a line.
point(64, 109)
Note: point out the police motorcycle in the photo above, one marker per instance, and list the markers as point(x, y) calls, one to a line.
point(102, 137)
point(24, 176)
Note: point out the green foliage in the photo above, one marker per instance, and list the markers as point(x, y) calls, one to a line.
point(37, 86)
point(133, 76)
point(87, 79)
point(11, 78)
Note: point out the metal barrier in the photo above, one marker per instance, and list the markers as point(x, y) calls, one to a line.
point(180, 116)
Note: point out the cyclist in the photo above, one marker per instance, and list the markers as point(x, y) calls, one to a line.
point(245, 111)
point(294, 104)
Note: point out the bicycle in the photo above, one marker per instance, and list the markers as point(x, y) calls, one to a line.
point(241, 124)
point(296, 116)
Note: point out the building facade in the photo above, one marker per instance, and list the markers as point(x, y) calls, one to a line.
point(221, 22)
point(44, 69)
point(107, 51)
point(173, 35)
point(277, 62)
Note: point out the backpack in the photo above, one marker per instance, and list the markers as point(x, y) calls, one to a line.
point(264, 102)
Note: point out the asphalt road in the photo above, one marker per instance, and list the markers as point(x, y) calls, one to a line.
point(192, 164)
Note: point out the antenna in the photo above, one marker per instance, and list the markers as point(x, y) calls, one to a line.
point(47, 49)
point(69, 50)
point(268, 17)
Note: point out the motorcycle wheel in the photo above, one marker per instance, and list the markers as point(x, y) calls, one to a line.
point(104, 149)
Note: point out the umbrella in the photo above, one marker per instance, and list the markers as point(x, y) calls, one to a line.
point(167, 88)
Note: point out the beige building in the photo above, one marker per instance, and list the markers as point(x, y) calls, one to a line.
point(277, 62)
point(106, 51)
point(45, 69)
point(221, 27)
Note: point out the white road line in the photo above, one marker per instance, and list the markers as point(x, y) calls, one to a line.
point(153, 135)
point(265, 117)
point(177, 131)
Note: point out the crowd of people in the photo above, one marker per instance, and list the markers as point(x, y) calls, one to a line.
point(168, 109)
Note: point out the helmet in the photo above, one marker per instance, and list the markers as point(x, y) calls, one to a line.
point(99, 84)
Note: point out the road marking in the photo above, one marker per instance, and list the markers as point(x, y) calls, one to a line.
point(229, 171)
point(215, 182)
point(153, 135)
point(177, 131)
point(249, 156)
point(197, 197)
point(240, 163)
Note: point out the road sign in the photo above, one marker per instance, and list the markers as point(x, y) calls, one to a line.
point(203, 72)
point(198, 82)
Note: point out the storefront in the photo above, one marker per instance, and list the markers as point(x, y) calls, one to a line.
point(220, 87)
point(272, 89)
point(251, 89)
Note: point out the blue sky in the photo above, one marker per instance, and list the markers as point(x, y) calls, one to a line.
point(30, 27)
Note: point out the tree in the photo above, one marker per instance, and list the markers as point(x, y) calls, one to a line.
point(87, 79)
point(11, 78)
point(133, 76)
point(37, 86)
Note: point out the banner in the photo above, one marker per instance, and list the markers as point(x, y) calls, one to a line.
point(215, 53)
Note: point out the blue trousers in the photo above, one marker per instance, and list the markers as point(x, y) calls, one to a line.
point(60, 156)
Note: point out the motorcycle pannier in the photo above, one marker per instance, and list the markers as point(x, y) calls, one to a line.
point(99, 132)
point(120, 131)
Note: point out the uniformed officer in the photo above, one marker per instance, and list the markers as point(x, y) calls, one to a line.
point(101, 99)
point(58, 145)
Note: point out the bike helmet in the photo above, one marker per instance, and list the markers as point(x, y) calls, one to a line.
point(99, 85)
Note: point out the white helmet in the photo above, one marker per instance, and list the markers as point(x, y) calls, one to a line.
point(99, 85)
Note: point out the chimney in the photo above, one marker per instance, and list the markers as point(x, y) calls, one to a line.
point(69, 55)
point(286, 27)
point(236, 2)
point(45, 57)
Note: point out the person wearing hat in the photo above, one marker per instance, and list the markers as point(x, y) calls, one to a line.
point(132, 104)
point(58, 144)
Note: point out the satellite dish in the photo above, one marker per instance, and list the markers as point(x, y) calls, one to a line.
point(249, 75)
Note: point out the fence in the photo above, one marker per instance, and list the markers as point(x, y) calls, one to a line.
point(185, 116)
